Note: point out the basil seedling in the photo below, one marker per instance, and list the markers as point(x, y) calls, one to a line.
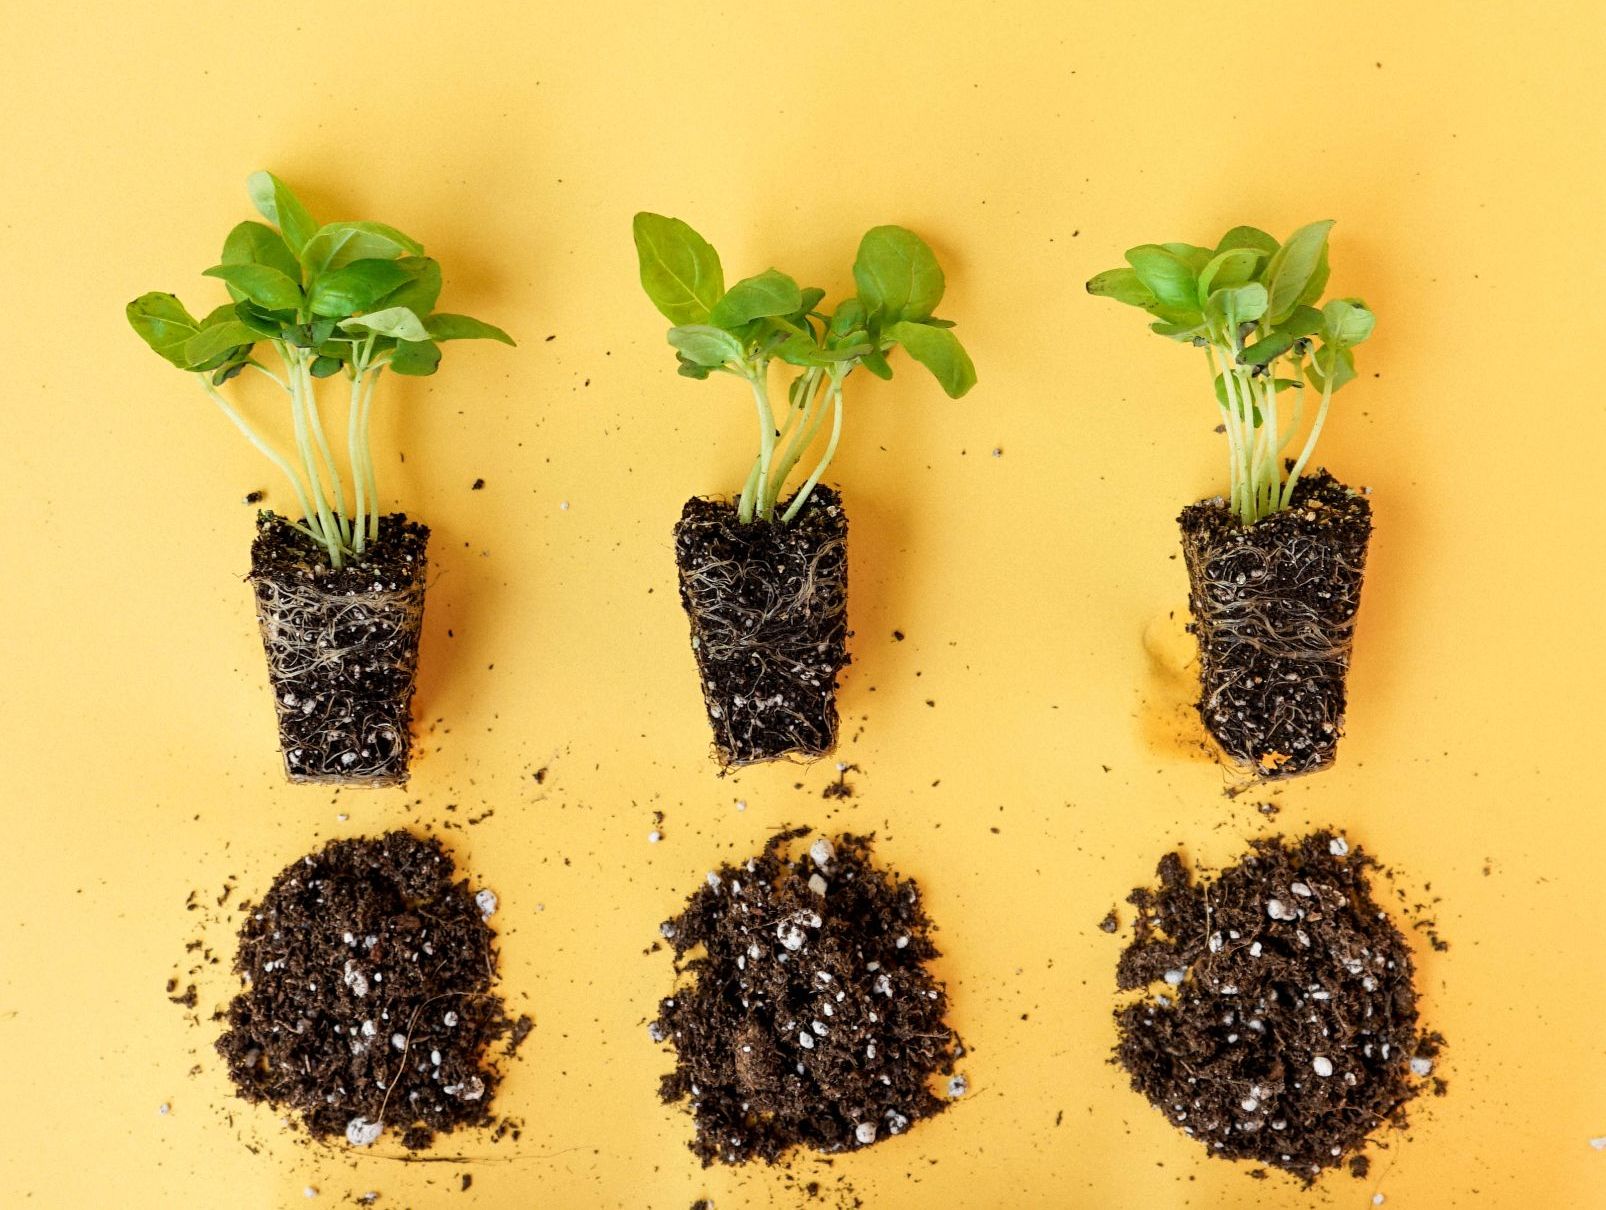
point(769, 318)
point(344, 299)
point(1252, 304)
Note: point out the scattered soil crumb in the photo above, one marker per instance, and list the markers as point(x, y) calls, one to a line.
point(841, 787)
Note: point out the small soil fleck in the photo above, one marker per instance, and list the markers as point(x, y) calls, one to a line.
point(1274, 608)
point(805, 1012)
point(768, 608)
point(368, 1003)
point(1279, 1020)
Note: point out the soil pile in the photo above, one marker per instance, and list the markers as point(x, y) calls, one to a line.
point(367, 1004)
point(1274, 610)
point(807, 1015)
point(768, 605)
point(1282, 1024)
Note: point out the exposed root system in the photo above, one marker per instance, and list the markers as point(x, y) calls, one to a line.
point(1274, 611)
point(806, 1014)
point(1279, 1015)
point(368, 1004)
point(342, 649)
point(769, 626)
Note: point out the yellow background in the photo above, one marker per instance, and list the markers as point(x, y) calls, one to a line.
point(1459, 147)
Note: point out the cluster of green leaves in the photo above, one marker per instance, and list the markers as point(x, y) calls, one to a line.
point(1253, 305)
point(342, 298)
point(770, 318)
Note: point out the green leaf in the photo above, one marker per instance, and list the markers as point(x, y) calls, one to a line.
point(445, 326)
point(1231, 268)
point(812, 295)
point(232, 370)
point(397, 322)
point(1238, 304)
point(1305, 321)
point(336, 245)
point(276, 202)
point(1312, 293)
point(876, 362)
point(850, 316)
point(163, 323)
point(680, 271)
point(325, 366)
point(1123, 285)
point(355, 287)
point(218, 338)
point(252, 243)
point(801, 351)
point(1346, 322)
point(705, 345)
point(1268, 348)
point(263, 285)
point(897, 275)
point(1182, 332)
point(1292, 266)
point(416, 359)
point(770, 293)
point(1331, 360)
point(939, 351)
point(1195, 257)
point(1169, 279)
point(1247, 237)
point(421, 293)
point(690, 369)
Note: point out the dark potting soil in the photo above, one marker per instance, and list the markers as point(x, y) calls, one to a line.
point(1274, 611)
point(342, 648)
point(1279, 1022)
point(806, 1014)
point(367, 1001)
point(769, 624)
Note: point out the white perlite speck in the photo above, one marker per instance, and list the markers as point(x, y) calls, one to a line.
point(958, 1086)
point(355, 979)
point(1421, 1067)
point(712, 879)
point(1598, 1144)
point(822, 852)
point(656, 1032)
point(485, 900)
point(817, 884)
point(865, 1133)
point(1322, 1065)
point(360, 1132)
point(1278, 910)
point(1175, 978)
point(1338, 847)
point(789, 935)
point(164, 1109)
point(654, 837)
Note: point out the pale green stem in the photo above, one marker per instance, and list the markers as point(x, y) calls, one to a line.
point(321, 440)
point(1242, 423)
point(1310, 442)
point(1229, 427)
point(766, 434)
point(1299, 410)
point(325, 522)
point(807, 489)
point(359, 479)
point(811, 416)
point(744, 511)
point(368, 452)
point(273, 455)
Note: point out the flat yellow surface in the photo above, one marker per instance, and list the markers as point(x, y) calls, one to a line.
point(1024, 753)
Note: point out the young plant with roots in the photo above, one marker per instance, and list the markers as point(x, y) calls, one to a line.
point(344, 300)
point(1252, 305)
point(769, 318)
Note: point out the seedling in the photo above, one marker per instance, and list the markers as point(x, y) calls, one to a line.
point(344, 300)
point(770, 318)
point(1252, 305)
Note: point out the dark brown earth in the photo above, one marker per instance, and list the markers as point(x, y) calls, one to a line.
point(1279, 1017)
point(356, 948)
point(769, 624)
point(801, 1017)
point(342, 649)
point(1274, 612)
